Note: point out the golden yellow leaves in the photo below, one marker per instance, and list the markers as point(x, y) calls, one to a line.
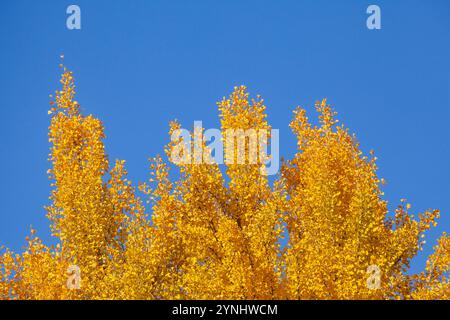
point(217, 236)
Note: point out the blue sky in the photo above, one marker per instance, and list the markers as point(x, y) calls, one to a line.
point(140, 64)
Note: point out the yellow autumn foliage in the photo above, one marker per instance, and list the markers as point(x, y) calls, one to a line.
point(219, 235)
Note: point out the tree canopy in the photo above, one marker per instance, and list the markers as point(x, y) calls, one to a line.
point(320, 230)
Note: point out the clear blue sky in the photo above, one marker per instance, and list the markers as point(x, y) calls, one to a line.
point(140, 64)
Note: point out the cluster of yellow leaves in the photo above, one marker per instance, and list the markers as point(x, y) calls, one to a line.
point(215, 235)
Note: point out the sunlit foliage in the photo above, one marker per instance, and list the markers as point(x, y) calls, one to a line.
point(213, 234)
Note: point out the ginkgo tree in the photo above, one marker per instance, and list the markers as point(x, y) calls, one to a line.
point(321, 230)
